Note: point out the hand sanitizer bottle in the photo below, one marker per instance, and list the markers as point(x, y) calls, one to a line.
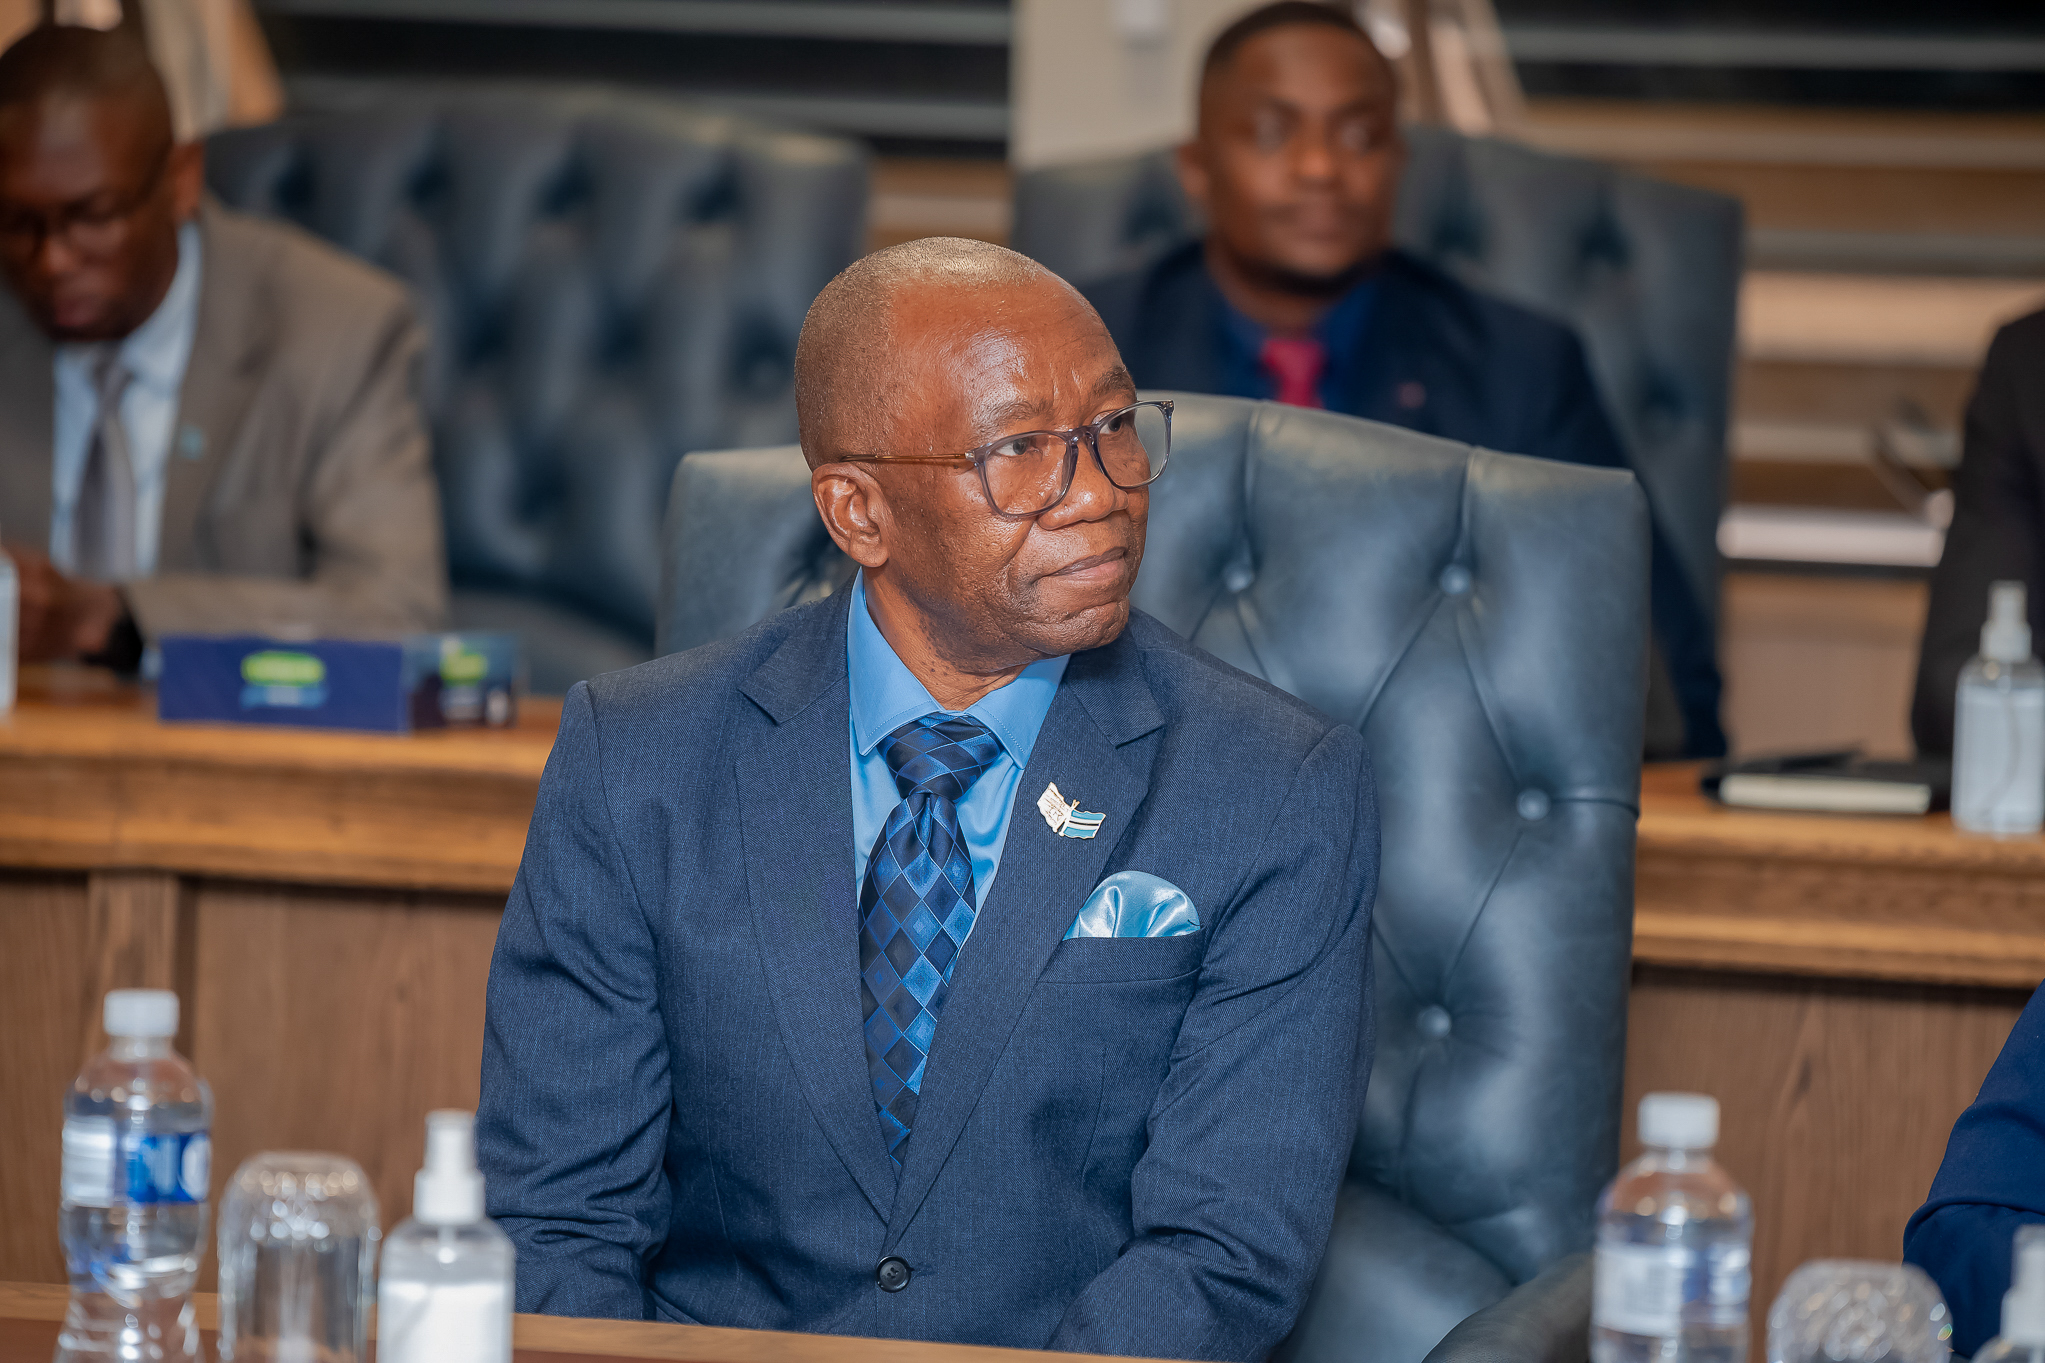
point(1999, 725)
point(445, 1293)
point(2023, 1307)
point(10, 629)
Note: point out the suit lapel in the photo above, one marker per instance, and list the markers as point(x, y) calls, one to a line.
point(795, 816)
point(230, 346)
point(28, 401)
point(1180, 327)
point(1043, 879)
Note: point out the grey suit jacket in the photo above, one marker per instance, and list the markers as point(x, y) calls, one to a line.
point(299, 492)
point(1125, 1145)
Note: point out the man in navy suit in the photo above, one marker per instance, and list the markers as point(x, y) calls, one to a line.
point(1297, 294)
point(1990, 1185)
point(966, 956)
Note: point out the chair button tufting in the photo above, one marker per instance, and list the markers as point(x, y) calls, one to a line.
point(1455, 579)
point(891, 1274)
point(1238, 578)
point(1533, 805)
point(1433, 1022)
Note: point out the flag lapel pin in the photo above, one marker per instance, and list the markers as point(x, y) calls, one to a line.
point(1065, 817)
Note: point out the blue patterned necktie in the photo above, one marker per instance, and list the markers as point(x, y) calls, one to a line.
point(916, 908)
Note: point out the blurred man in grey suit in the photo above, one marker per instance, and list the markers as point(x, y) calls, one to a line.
point(207, 423)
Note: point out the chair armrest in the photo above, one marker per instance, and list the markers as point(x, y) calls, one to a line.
point(1544, 1320)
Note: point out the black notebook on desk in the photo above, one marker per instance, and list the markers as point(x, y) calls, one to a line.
point(1831, 783)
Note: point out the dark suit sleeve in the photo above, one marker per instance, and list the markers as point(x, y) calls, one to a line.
point(572, 1129)
point(1991, 1182)
point(1998, 522)
point(1252, 1129)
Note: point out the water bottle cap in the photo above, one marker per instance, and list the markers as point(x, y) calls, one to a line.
point(449, 1190)
point(144, 1013)
point(1679, 1121)
point(2006, 638)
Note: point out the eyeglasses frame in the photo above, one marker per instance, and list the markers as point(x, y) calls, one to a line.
point(67, 222)
point(978, 456)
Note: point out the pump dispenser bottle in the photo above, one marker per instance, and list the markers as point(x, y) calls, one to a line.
point(2023, 1307)
point(445, 1292)
point(1999, 725)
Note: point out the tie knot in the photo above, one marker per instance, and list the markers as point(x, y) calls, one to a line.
point(939, 755)
point(1297, 362)
point(109, 376)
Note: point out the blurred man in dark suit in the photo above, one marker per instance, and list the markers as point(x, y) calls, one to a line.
point(1297, 293)
point(207, 423)
point(1998, 529)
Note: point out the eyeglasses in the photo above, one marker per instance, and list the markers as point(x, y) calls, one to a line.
point(89, 228)
point(1028, 474)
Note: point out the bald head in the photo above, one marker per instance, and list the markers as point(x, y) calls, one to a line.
point(57, 64)
point(93, 186)
point(849, 359)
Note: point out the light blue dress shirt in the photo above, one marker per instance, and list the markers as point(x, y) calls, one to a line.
point(155, 354)
point(886, 695)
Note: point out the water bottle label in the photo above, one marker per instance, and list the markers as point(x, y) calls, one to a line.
point(88, 1179)
point(1658, 1289)
point(101, 1169)
point(1638, 1289)
point(167, 1166)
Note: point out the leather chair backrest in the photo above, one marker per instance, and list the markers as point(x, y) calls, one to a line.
point(1482, 619)
point(1647, 272)
point(610, 281)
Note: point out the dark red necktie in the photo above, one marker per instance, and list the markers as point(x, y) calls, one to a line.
point(1296, 363)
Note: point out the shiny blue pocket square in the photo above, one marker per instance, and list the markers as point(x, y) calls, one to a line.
point(1135, 904)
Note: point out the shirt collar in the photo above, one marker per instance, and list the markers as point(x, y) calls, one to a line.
point(886, 694)
point(155, 352)
point(1338, 328)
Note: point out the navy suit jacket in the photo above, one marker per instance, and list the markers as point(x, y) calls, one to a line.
point(1991, 1182)
point(1124, 1145)
point(1439, 357)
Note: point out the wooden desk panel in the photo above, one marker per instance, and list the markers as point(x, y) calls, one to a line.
point(31, 1312)
point(326, 906)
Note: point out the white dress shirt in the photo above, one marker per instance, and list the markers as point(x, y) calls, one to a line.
point(155, 355)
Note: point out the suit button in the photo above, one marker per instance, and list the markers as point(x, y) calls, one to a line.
point(892, 1274)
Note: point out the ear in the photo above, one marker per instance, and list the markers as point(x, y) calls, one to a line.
point(187, 173)
point(855, 511)
point(1191, 163)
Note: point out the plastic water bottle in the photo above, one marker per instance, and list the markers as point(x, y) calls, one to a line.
point(446, 1290)
point(1675, 1245)
point(1999, 725)
point(137, 1164)
point(2022, 1339)
point(10, 630)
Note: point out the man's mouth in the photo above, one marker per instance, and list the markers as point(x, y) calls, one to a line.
point(1095, 567)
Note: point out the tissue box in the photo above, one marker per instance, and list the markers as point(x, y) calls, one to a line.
point(421, 682)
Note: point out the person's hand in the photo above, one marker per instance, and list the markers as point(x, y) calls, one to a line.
point(62, 618)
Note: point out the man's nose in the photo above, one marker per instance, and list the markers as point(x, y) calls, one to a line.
point(55, 256)
point(1092, 497)
point(1313, 157)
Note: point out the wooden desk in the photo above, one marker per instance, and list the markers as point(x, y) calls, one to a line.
point(1842, 985)
point(31, 1312)
point(326, 905)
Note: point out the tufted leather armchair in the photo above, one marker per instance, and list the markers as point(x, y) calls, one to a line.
point(610, 281)
point(1647, 272)
point(1482, 619)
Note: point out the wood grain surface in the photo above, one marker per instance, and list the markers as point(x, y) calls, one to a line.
point(1836, 1097)
point(29, 1313)
point(90, 780)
